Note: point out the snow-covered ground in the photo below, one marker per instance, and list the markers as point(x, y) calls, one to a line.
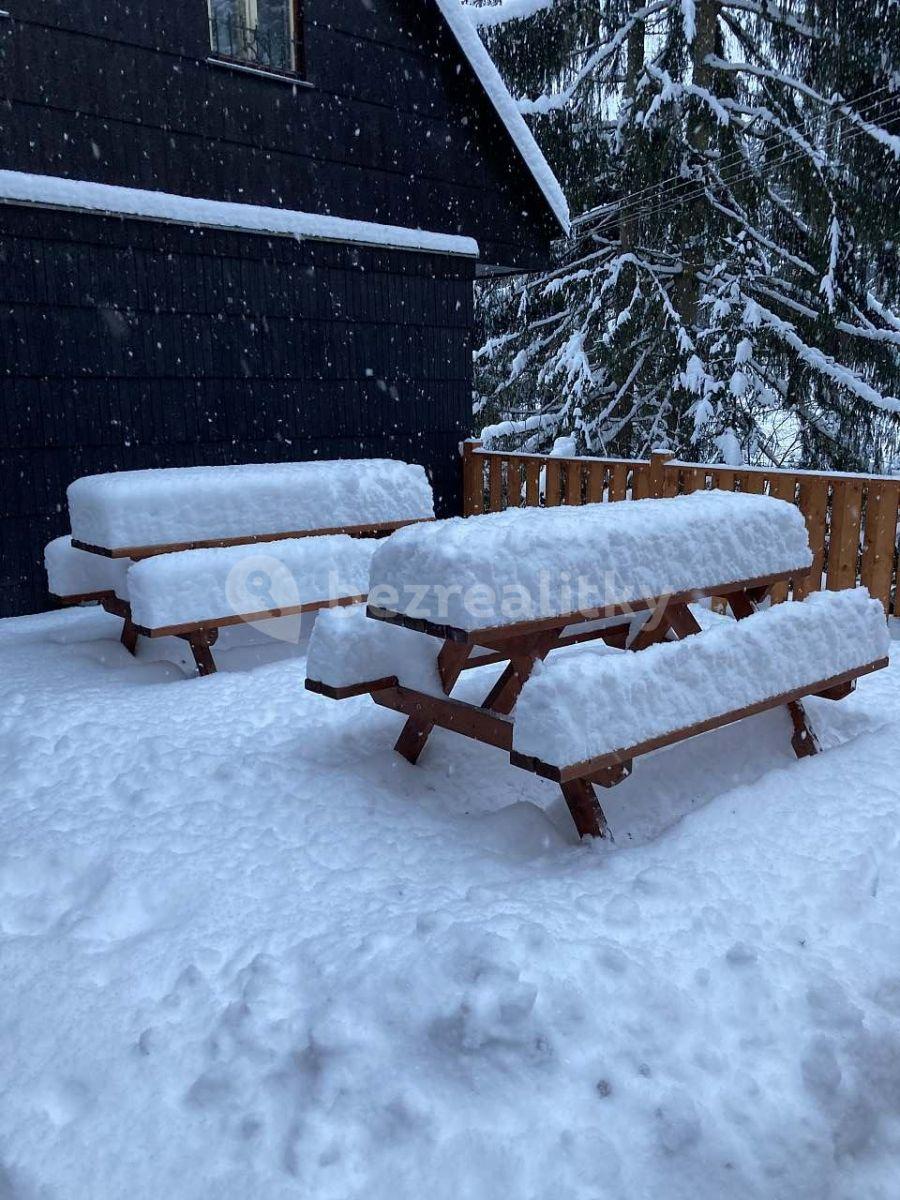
point(248, 952)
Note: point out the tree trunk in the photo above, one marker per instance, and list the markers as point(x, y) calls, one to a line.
point(700, 134)
point(634, 65)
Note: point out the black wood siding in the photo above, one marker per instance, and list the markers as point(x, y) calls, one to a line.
point(127, 344)
point(395, 127)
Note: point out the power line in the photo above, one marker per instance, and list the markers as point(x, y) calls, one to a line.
point(734, 155)
point(632, 199)
point(699, 193)
point(675, 199)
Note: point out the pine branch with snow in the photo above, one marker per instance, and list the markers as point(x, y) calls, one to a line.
point(737, 283)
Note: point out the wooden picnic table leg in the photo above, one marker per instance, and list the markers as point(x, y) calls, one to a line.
point(654, 629)
point(673, 617)
point(201, 642)
point(579, 794)
point(412, 739)
point(682, 621)
point(803, 740)
point(129, 636)
point(524, 654)
point(452, 659)
point(584, 806)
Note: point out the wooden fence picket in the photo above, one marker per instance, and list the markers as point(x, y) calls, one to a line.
point(879, 551)
point(782, 486)
point(532, 482)
point(618, 481)
point(596, 475)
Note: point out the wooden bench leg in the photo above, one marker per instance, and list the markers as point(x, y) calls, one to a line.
point(201, 642)
point(585, 808)
point(412, 739)
point(415, 733)
point(129, 636)
point(804, 740)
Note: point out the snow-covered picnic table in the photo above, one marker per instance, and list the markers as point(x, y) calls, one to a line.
point(514, 587)
point(184, 552)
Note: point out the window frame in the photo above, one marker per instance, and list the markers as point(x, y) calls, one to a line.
point(294, 73)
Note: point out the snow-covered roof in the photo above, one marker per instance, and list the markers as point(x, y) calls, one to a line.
point(52, 191)
point(482, 64)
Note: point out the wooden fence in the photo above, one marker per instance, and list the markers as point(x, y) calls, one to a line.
point(852, 519)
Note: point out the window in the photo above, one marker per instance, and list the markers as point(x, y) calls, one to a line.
point(263, 33)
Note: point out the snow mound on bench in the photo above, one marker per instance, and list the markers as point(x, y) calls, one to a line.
point(347, 648)
point(72, 572)
point(580, 707)
point(199, 504)
point(209, 585)
point(523, 564)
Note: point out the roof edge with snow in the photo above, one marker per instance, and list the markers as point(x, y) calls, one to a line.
point(483, 65)
point(80, 195)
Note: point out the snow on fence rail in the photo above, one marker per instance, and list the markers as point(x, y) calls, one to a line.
point(851, 519)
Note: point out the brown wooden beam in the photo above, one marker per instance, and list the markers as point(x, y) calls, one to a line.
point(82, 598)
point(129, 636)
point(494, 636)
point(376, 529)
point(611, 777)
point(268, 614)
point(412, 739)
point(589, 818)
point(116, 607)
point(840, 692)
point(682, 621)
point(353, 689)
point(201, 643)
point(524, 654)
point(451, 662)
point(448, 713)
point(614, 635)
point(804, 741)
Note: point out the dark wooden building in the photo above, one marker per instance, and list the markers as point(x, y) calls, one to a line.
point(140, 327)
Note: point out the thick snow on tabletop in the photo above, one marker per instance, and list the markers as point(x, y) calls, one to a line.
point(198, 585)
point(72, 572)
point(348, 648)
point(583, 706)
point(194, 504)
point(522, 564)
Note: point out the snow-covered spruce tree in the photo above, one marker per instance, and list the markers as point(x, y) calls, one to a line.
point(740, 296)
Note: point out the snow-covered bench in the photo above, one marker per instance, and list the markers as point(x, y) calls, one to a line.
point(585, 718)
point(213, 546)
point(195, 593)
point(74, 576)
point(77, 577)
point(442, 602)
